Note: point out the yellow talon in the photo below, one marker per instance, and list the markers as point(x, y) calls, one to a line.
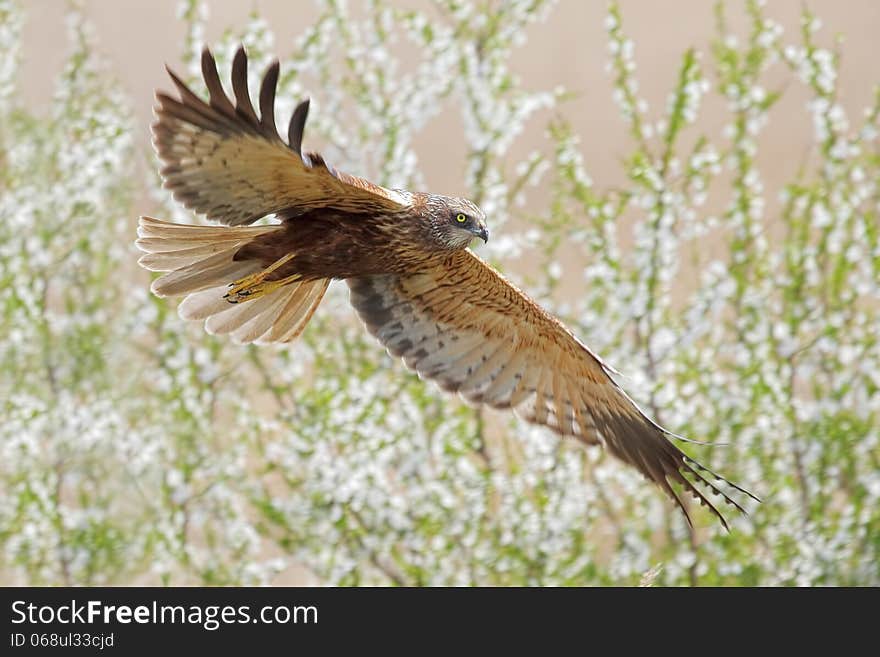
point(281, 261)
point(256, 285)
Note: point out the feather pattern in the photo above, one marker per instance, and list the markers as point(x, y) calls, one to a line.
point(201, 262)
point(221, 160)
point(515, 355)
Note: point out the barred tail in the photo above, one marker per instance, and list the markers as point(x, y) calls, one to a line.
point(200, 265)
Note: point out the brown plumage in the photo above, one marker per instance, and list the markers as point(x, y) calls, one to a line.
point(416, 286)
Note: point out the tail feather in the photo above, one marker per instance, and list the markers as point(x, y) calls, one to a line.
point(254, 329)
point(200, 264)
point(203, 274)
point(241, 313)
point(298, 311)
point(177, 259)
point(201, 305)
point(166, 230)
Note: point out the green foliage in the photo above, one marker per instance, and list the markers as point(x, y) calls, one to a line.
point(135, 448)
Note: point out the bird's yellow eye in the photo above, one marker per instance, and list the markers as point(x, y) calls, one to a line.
point(460, 218)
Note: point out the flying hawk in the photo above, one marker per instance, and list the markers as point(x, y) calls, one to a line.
point(417, 287)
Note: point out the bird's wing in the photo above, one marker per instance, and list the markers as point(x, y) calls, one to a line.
point(461, 324)
point(222, 160)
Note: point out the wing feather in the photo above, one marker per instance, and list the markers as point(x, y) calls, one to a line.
point(240, 87)
point(221, 160)
point(267, 101)
point(525, 388)
point(540, 412)
point(500, 391)
point(466, 327)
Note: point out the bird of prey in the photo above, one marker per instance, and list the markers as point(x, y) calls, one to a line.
point(404, 255)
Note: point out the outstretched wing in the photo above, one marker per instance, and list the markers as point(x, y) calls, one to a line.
point(224, 161)
point(470, 330)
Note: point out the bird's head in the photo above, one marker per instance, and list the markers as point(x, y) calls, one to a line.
point(455, 222)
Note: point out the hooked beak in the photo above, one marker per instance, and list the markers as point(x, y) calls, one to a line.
point(483, 234)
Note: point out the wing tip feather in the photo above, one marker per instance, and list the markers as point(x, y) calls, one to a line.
point(297, 125)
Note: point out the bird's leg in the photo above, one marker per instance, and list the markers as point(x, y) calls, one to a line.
point(256, 285)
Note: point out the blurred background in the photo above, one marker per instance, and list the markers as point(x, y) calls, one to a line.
point(693, 187)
